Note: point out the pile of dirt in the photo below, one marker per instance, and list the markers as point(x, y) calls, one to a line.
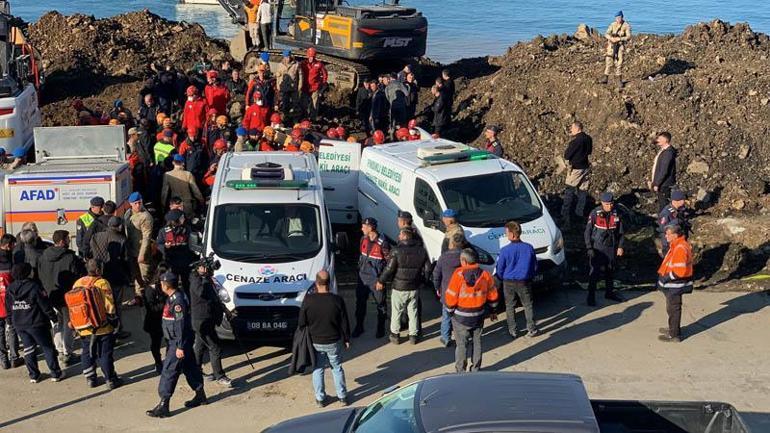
point(710, 87)
point(101, 60)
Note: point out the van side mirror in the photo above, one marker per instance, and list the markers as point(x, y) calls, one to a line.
point(433, 224)
point(341, 242)
point(196, 243)
point(431, 219)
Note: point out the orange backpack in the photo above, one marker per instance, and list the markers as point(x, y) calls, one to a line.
point(87, 308)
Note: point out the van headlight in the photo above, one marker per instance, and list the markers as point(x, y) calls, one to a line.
point(558, 244)
point(484, 257)
point(221, 292)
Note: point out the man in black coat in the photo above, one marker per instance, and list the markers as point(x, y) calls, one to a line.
point(109, 248)
point(407, 269)
point(664, 169)
point(364, 103)
point(380, 109)
point(442, 109)
point(206, 311)
point(578, 171)
point(59, 268)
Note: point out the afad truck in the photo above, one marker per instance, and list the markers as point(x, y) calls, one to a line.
point(74, 164)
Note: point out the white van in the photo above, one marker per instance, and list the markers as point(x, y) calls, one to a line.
point(268, 227)
point(428, 176)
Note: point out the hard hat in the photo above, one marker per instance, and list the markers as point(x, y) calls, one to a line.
point(268, 131)
point(341, 132)
point(306, 147)
point(212, 74)
point(296, 134)
point(220, 144)
point(402, 133)
point(305, 124)
point(351, 139)
point(114, 122)
point(275, 118)
point(311, 52)
point(332, 133)
point(222, 120)
point(192, 90)
point(378, 137)
point(160, 117)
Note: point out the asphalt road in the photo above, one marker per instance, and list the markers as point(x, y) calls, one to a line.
point(613, 347)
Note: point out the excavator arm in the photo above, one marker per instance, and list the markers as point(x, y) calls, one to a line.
point(234, 8)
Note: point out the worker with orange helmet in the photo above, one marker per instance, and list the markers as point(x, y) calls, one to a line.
point(220, 130)
point(217, 95)
point(258, 114)
point(314, 83)
point(262, 83)
point(195, 108)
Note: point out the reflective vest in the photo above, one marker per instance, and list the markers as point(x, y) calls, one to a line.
point(470, 301)
point(87, 220)
point(676, 270)
point(162, 151)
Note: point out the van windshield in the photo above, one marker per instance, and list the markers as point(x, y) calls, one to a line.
point(491, 200)
point(266, 233)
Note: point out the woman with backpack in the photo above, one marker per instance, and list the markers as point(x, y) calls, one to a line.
point(31, 315)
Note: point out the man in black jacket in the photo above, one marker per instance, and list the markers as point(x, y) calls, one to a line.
point(59, 268)
point(603, 238)
point(326, 317)
point(380, 109)
point(442, 109)
point(664, 169)
point(407, 269)
point(109, 248)
point(31, 315)
point(364, 103)
point(173, 243)
point(578, 150)
point(206, 313)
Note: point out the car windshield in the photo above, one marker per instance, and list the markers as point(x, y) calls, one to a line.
point(266, 233)
point(393, 413)
point(491, 200)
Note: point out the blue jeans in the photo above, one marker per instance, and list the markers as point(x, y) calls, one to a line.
point(328, 355)
point(446, 324)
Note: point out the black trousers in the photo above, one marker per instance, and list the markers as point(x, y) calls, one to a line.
point(674, 311)
point(664, 197)
point(9, 342)
point(602, 266)
point(103, 348)
point(206, 339)
point(523, 291)
point(173, 367)
point(31, 338)
point(156, 339)
point(363, 291)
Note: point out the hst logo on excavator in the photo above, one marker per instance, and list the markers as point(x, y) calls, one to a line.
point(396, 42)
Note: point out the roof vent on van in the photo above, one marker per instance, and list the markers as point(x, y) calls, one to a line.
point(440, 149)
point(268, 171)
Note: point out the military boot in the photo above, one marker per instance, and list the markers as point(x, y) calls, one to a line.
point(380, 327)
point(199, 399)
point(359, 329)
point(159, 411)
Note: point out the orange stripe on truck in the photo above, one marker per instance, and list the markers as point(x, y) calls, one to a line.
point(42, 216)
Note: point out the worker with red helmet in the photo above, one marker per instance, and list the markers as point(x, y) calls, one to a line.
point(276, 121)
point(314, 82)
point(258, 114)
point(402, 134)
point(342, 133)
point(332, 133)
point(216, 93)
point(378, 137)
point(195, 108)
point(219, 147)
point(414, 133)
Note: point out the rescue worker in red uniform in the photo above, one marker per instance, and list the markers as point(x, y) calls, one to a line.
point(220, 147)
point(377, 138)
point(173, 242)
point(216, 93)
point(604, 241)
point(374, 249)
point(314, 79)
point(195, 108)
point(258, 114)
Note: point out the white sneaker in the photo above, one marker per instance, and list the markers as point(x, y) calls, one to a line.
point(58, 378)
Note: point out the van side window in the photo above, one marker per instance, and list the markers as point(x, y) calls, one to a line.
point(425, 202)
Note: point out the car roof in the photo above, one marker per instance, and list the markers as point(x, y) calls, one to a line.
point(405, 153)
point(303, 167)
point(506, 401)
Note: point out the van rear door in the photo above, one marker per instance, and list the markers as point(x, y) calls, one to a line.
point(339, 163)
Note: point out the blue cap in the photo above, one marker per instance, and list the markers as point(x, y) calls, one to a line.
point(286, 53)
point(168, 133)
point(253, 131)
point(19, 152)
point(265, 57)
point(619, 14)
point(178, 158)
point(606, 197)
point(118, 103)
point(135, 197)
point(241, 131)
point(449, 213)
point(678, 195)
point(169, 277)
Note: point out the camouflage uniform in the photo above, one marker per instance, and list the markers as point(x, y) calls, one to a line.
point(615, 50)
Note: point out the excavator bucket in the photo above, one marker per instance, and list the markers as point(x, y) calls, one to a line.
point(239, 46)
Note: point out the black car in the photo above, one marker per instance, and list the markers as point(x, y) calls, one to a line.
point(472, 402)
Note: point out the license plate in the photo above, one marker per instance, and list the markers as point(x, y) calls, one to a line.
point(6, 133)
point(267, 326)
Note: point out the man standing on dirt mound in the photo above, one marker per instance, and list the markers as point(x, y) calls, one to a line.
point(618, 34)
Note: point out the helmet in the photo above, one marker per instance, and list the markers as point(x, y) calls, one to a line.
point(351, 139)
point(192, 90)
point(257, 95)
point(412, 124)
point(305, 124)
point(402, 133)
point(341, 132)
point(160, 118)
point(268, 132)
point(306, 147)
point(296, 134)
point(311, 52)
point(211, 112)
point(114, 122)
point(212, 74)
point(222, 120)
point(220, 144)
point(275, 118)
point(378, 136)
point(332, 133)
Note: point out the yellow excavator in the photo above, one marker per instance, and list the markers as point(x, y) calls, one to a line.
point(349, 38)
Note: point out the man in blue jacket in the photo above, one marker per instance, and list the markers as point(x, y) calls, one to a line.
point(516, 266)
